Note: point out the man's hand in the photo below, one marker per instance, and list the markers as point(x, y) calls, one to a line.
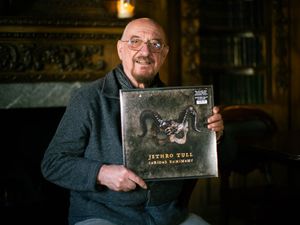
point(215, 122)
point(119, 178)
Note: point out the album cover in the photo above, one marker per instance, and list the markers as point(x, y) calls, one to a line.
point(165, 134)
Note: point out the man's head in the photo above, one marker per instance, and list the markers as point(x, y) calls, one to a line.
point(142, 50)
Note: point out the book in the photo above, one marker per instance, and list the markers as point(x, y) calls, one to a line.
point(165, 134)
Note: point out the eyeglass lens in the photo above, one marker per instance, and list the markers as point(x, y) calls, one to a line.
point(153, 45)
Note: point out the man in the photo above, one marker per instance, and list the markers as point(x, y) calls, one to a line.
point(85, 154)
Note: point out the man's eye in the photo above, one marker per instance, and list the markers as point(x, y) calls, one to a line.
point(156, 44)
point(135, 41)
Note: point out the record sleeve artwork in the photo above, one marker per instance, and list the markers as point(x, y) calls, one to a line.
point(165, 135)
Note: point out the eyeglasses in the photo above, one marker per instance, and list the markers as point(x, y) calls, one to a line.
point(136, 44)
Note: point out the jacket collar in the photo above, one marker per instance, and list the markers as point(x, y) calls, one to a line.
point(117, 79)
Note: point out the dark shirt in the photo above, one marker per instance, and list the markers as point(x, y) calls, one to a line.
point(88, 136)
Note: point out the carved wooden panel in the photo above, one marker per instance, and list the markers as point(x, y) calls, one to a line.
point(282, 52)
point(59, 55)
point(57, 39)
point(76, 13)
point(190, 42)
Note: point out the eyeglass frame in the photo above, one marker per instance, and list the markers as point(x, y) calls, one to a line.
point(148, 43)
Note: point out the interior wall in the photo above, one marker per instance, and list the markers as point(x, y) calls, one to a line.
point(295, 65)
point(50, 48)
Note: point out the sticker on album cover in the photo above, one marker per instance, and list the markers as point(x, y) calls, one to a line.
point(201, 96)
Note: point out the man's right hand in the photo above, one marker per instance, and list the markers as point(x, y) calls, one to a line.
point(119, 178)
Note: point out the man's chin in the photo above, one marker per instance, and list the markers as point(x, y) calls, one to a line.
point(144, 78)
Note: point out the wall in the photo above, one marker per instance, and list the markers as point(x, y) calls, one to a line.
point(48, 49)
point(295, 65)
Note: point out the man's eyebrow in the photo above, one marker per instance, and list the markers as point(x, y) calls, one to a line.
point(135, 36)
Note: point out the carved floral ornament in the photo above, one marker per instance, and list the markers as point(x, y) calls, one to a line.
point(33, 60)
point(29, 56)
point(35, 46)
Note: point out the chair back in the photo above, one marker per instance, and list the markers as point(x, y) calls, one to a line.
point(243, 125)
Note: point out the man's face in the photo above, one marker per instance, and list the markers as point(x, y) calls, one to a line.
point(142, 64)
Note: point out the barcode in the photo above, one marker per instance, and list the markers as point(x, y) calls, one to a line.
point(201, 102)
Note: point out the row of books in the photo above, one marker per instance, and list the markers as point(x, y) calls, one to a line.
point(232, 13)
point(231, 51)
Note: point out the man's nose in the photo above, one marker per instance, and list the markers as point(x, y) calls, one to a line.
point(145, 49)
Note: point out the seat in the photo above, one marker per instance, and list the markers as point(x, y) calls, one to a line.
point(243, 125)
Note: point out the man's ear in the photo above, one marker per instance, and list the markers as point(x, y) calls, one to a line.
point(120, 49)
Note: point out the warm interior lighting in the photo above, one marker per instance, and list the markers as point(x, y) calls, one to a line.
point(125, 8)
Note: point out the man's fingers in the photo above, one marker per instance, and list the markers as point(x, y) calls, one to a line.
point(119, 178)
point(139, 181)
point(216, 109)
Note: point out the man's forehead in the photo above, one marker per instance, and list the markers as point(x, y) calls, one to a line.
point(148, 30)
point(145, 33)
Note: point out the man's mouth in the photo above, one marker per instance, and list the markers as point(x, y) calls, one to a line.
point(143, 61)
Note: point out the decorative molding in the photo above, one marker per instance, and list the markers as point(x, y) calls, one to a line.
point(57, 40)
point(282, 32)
point(74, 13)
point(53, 36)
point(47, 62)
point(191, 37)
point(62, 22)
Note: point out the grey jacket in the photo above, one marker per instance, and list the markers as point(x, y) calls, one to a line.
point(87, 137)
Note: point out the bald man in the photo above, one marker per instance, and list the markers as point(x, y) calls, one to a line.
point(85, 154)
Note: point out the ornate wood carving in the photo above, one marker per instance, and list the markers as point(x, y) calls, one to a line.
point(52, 40)
point(191, 38)
point(281, 22)
point(28, 56)
point(32, 62)
point(75, 13)
point(59, 36)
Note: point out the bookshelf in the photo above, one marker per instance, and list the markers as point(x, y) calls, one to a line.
point(235, 50)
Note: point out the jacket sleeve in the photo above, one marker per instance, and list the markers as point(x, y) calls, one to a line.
point(64, 163)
